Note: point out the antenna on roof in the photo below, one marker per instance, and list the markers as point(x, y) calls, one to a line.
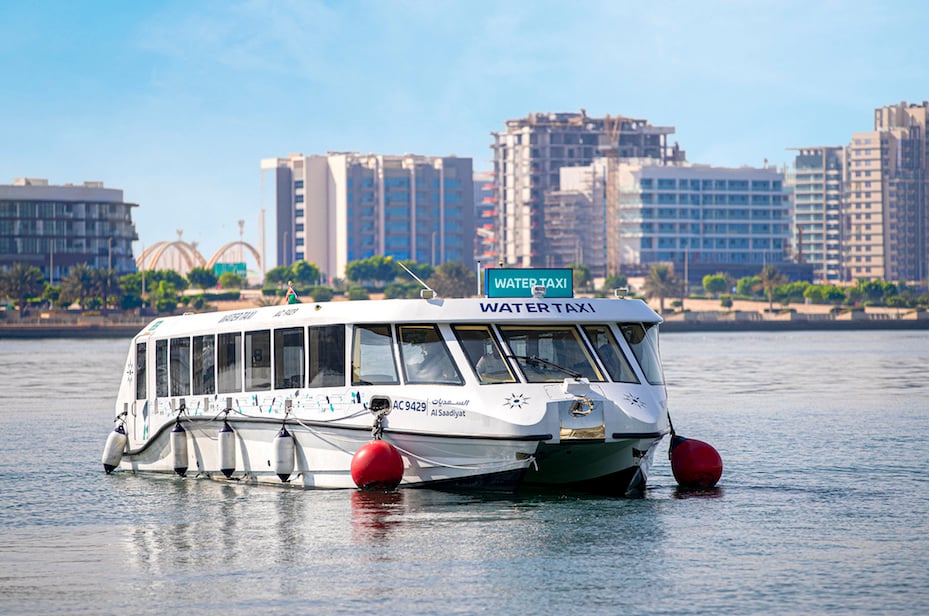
point(426, 292)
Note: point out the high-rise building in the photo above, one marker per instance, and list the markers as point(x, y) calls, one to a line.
point(882, 207)
point(340, 207)
point(529, 153)
point(887, 196)
point(54, 227)
point(818, 210)
point(702, 219)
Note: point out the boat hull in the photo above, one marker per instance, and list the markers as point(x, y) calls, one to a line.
point(616, 468)
point(323, 455)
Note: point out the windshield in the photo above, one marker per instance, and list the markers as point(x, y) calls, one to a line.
point(610, 354)
point(643, 340)
point(550, 354)
point(484, 354)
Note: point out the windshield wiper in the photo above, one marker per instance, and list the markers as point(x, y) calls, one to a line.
point(535, 360)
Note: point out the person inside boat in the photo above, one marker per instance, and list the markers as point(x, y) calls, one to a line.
point(610, 360)
point(490, 366)
point(429, 363)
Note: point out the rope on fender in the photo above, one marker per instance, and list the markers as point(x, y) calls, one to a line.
point(474, 467)
point(674, 436)
point(377, 429)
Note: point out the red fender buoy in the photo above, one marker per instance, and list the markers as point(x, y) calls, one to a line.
point(377, 465)
point(695, 464)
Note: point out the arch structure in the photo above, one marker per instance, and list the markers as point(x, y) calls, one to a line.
point(188, 254)
point(165, 255)
point(227, 247)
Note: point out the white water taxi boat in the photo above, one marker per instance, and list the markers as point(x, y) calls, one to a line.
point(484, 393)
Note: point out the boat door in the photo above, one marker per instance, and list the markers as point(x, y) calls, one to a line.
point(138, 411)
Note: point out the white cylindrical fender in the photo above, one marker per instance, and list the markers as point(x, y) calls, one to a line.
point(226, 443)
point(179, 449)
point(113, 450)
point(283, 455)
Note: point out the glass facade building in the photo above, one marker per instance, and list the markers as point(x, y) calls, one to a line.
point(705, 219)
point(55, 227)
point(340, 207)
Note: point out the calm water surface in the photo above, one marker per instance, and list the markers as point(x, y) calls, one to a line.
point(823, 506)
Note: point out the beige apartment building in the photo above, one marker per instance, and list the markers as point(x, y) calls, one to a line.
point(875, 228)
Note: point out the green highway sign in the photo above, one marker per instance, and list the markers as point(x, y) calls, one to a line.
point(503, 282)
point(238, 269)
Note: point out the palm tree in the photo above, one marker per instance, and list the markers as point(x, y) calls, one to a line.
point(80, 283)
point(770, 279)
point(661, 283)
point(23, 282)
point(107, 285)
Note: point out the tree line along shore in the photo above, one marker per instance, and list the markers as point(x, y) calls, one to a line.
point(89, 300)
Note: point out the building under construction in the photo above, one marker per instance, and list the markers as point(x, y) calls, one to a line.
point(528, 157)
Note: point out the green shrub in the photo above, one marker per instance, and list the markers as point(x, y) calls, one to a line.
point(165, 304)
point(356, 293)
point(222, 296)
point(320, 294)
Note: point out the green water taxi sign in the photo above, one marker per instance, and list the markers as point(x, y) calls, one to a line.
point(503, 282)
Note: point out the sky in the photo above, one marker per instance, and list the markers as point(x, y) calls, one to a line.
point(177, 102)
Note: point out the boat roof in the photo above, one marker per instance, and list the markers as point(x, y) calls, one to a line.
point(436, 310)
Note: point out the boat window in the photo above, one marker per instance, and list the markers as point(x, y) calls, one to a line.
point(484, 354)
point(425, 356)
point(161, 368)
point(141, 386)
point(229, 363)
point(204, 379)
point(373, 356)
point(258, 360)
point(327, 356)
point(180, 366)
point(611, 355)
point(289, 358)
point(550, 354)
point(643, 340)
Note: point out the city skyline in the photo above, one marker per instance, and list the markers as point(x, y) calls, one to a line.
point(176, 104)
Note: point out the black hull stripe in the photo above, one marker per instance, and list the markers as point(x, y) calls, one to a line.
point(630, 435)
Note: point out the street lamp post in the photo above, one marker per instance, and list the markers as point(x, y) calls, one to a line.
point(109, 273)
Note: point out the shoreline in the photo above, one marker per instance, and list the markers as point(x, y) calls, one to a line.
point(771, 325)
point(671, 325)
